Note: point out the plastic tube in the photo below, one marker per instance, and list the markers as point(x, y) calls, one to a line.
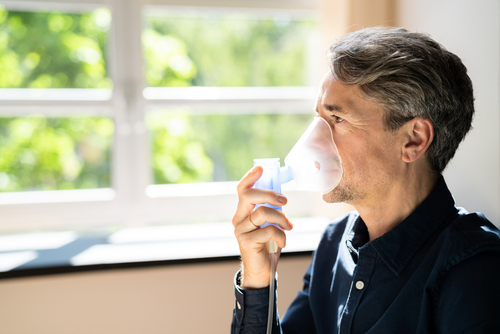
point(270, 313)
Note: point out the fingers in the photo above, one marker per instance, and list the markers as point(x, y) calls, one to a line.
point(257, 238)
point(245, 190)
point(251, 221)
point(249, 179)
point(261, 196)
point(248, 198)
point(251, 237)
point(262, 215)
point(250, 227)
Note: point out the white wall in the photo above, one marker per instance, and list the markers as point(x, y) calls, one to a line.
point(176, 299)
point(470, 29)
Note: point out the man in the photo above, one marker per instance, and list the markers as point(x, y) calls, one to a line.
point(407, 261)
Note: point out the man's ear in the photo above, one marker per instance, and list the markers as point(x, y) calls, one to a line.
point(419, 136)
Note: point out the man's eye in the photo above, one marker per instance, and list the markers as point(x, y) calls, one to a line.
point(337, 119)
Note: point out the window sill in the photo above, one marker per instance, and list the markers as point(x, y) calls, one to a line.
point(62, 252)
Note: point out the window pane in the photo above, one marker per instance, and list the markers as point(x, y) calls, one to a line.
point(40, 153)
point(202, 148)
point(227, 49)
point(54, 50)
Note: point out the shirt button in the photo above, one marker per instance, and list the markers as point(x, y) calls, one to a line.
point(360, 285)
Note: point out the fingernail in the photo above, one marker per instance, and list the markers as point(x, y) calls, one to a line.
point(281, 198)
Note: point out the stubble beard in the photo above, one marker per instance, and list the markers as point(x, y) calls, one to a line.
point(343, 193)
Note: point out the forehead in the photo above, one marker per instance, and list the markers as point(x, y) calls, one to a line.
point(333, 92)
point(346, 99)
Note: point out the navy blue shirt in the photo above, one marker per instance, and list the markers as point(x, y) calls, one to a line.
point(438, 271)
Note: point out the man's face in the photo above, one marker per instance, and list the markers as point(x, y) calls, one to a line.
point(371, 156)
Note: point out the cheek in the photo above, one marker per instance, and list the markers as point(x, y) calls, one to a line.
point(390, 150)
point(364, 158)
point(354, 159)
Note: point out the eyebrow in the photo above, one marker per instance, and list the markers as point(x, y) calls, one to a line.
point(334, 107)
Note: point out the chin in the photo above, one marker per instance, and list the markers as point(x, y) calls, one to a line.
point(342, 193)
point(334, 196)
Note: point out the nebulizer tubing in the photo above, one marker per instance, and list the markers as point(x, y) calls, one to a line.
point(270, 313)
point(313, 164)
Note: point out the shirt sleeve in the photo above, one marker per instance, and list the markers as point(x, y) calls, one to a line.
point(470, 296)
point(251, 309)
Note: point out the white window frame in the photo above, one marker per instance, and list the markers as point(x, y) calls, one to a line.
point(133, 200)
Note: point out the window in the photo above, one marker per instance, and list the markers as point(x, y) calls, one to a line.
point(52, 49)
point(58, 51)
point(146, 113)
point(227, 48)
point(186, 47)
point(42, 153)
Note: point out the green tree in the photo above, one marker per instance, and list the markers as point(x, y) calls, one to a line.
point(54, 50)
point(201, 148)
point(64, 50)
point(40, 153)
point(178, 152)
point(229, 50)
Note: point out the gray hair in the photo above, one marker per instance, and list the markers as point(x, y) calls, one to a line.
point(411, 75)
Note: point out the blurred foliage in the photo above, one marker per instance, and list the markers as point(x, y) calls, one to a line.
point(225, 50)
point(54, 50)
point(189, 148)
point(216, 50)
point(39, 153)
point(64, 50)
point(178, 153)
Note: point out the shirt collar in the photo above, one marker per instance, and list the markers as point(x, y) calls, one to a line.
point(356, 238)
point(399, 245)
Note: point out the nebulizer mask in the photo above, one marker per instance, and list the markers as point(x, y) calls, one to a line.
point(313, 164)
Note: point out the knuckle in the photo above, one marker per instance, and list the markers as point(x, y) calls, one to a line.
point(244, 194)
point(271, 196)
point(235, 221)
point(259, 214)
point(268, 213)
point(244, 240)
point(240, 188)
point(280, 236)
point(236, 233)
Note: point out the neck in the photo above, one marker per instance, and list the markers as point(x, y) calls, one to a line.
point(400, 199)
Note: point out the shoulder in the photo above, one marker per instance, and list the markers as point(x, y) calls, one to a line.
point(469, 276)
point(468, 235)
point(470, 243)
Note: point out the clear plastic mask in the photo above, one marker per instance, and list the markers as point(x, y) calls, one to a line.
point(313, 164)
point(315, 159)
